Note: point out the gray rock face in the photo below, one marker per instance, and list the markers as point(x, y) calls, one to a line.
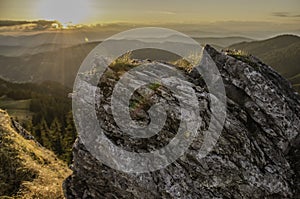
point(257, 154)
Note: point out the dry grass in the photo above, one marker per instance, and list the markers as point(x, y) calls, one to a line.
point(189, 62)
point(35, 171)
point(183, 64)
point(123, 64)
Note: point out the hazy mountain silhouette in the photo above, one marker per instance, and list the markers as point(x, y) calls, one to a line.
point(27, 59)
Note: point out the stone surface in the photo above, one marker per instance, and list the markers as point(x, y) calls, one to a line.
point(257, 154)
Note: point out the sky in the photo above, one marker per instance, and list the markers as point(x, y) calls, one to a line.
point(235, 15)
point(154, 11)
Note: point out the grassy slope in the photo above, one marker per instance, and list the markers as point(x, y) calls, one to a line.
point(18, 109)
point(26, 169)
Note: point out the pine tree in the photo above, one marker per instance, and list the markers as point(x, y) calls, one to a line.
point(28, 125)
point(69, 137)
point(55, 135)
point(43, 131)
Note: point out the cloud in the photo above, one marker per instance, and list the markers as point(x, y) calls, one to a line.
point(285, 14)
point(162, 12)
point(16, 23)
point(252, 29)
point(39, 25)
point(167, 12)
point(12, 23)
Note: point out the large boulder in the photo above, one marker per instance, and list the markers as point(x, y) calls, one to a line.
point(256, 156)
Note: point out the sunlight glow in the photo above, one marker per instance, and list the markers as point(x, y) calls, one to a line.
point(66, 11)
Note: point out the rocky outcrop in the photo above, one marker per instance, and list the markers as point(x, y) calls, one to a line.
point(256, 156)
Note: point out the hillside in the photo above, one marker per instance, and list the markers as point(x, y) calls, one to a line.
point(221, 42)
point(27, 170)
point(44, 109)
point(58, 65)
point(281, 52)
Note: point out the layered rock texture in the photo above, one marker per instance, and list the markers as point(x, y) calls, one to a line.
point(256, 156)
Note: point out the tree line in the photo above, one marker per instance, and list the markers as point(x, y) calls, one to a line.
point(51, 123)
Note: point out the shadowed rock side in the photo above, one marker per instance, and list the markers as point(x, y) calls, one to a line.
point(257, 154)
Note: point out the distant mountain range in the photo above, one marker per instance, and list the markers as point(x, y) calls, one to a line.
point(59, 65)
point(43, 42)
point(27, 59)
point(222, 42)
point(40, 57)
point(281, 52)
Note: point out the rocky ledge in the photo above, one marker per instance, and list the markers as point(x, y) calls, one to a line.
point(256, 156)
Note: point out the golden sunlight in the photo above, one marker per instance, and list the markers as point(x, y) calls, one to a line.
point(66, 11)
